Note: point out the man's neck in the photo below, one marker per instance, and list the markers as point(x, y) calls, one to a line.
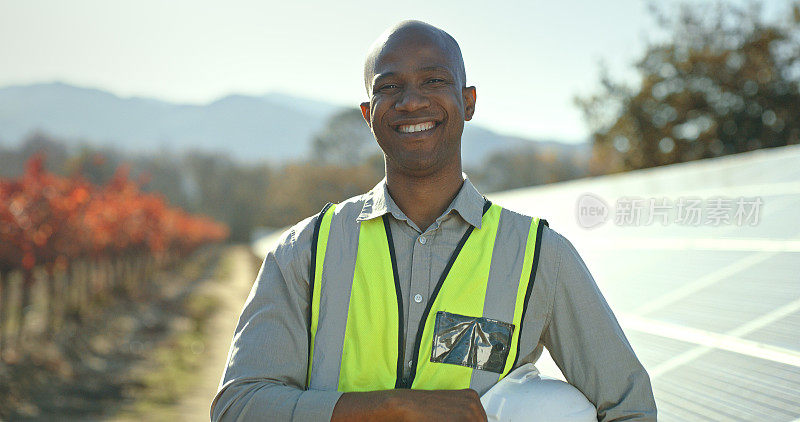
point(423, 199)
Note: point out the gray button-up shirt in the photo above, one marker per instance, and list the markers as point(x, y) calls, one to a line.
point(267, 364)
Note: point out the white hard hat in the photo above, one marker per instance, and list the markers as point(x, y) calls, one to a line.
point(524, 395)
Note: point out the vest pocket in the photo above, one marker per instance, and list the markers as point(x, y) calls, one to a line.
point(475, 342)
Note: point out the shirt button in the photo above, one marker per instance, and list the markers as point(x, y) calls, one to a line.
point(423, 240)
point(418, 298)
point(410, 363)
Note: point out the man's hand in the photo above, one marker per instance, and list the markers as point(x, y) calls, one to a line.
point(410, 405)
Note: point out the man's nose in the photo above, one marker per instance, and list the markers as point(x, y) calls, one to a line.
point(411, 100)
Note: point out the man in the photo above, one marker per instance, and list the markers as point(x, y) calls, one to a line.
point(409, 301)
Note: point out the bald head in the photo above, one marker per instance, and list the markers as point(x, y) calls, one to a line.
point(414, 32)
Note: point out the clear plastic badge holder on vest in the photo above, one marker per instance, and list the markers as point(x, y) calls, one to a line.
point(525, 395)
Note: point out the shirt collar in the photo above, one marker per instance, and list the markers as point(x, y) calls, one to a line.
point(468, 203)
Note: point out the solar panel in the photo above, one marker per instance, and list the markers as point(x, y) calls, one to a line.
point(712, 310)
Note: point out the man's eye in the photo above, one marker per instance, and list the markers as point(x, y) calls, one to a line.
point(387, 87)
point(435, 80)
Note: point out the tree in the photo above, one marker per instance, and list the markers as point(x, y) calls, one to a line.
point(228, 191)
point(345, 140)
point(530, 165)
point(12, 160)
point(725, 82)
point(306, 187)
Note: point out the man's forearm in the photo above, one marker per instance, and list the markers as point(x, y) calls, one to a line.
point(410, 405)
point(263, 400)
point(365, 406)
point(260, 400)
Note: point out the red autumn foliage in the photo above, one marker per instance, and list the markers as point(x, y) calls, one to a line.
point(46, 218)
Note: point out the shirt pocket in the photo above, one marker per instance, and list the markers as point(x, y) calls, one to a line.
point(475, 342)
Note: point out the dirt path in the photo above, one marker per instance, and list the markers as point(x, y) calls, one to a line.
point(228, 289)
point(232, 293)
point(158, 358)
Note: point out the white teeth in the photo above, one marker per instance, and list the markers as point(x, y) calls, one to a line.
point(416, 128)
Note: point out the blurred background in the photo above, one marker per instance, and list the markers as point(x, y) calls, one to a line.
point(151, 151)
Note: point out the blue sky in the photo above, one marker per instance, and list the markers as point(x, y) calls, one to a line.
point(527, 59)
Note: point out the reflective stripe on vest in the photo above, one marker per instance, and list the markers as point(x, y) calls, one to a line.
point(318, 248)
point(362, 349)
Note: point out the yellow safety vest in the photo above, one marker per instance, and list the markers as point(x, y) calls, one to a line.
point(371, 355)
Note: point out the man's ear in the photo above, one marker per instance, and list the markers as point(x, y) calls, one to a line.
point(365, 112)
point(470, 96)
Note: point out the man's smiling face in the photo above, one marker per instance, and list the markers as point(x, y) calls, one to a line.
point(418, 101)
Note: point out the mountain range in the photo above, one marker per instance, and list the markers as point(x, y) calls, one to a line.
point(274, 127)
